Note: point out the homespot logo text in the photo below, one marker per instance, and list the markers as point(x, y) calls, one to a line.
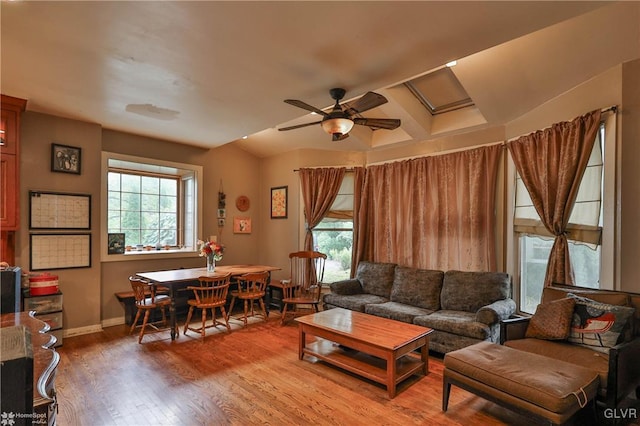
point(10, 418)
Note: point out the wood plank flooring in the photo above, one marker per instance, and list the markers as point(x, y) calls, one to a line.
point(251, 376)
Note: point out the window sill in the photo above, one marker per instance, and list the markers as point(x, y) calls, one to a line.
point(149, 255)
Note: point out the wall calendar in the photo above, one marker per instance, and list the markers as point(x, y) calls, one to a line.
point(54, 210)
point(60, 251)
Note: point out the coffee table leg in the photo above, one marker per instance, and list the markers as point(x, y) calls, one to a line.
point(424, 354)
point(391, 374)
point(301, 341)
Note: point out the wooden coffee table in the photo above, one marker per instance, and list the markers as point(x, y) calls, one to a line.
point(376, 348)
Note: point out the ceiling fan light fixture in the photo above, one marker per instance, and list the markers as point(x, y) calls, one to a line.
point(337, 125)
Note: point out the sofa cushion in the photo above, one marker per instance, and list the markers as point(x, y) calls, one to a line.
point(417, 287)
point(376, 278)
point(396, 311)
point(457, 322)
point(354, 302)
point(564, 351)
point(469, 291)
point(598, 325)
point(552, 320)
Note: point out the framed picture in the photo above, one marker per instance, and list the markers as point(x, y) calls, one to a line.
point(116, 243)
point(241, 225)
point(221, 222)
point(65, 159)
point(222, 213)
point(279, 202)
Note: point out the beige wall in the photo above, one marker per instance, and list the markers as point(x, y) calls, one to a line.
point(629, 206)
point(81, 287)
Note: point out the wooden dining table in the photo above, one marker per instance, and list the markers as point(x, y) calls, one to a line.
point(171, 278)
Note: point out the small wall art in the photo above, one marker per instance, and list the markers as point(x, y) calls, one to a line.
point(116, 243)
point(279, 202)
point(241, 225)
point(65, 159)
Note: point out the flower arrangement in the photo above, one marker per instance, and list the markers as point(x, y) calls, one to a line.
point(210, 249)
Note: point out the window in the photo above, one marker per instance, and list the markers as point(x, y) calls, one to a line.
point(144, 208)
point(153, 203)
point(585, 232)
point(333, 236)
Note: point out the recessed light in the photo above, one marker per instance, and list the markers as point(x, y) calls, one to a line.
point(245, 136)
point(452, 64)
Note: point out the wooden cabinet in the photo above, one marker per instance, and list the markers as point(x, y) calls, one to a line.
point(11, 109)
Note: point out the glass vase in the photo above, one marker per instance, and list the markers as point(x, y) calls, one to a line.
point(211, 264)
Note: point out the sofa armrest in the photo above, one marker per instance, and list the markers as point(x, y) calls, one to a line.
point(513, 328)
point(624, 371)
point(346, 287)
point(498, 310)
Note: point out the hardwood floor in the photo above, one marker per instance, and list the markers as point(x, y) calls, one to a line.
point(250, 376)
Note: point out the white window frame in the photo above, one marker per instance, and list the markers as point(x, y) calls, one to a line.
point(609, 265)
point(188, 251)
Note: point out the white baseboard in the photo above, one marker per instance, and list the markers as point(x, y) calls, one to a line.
point(82, 330)
point(93, 328)
point(112, 322)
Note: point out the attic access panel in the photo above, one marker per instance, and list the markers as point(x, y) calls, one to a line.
point(439, 91)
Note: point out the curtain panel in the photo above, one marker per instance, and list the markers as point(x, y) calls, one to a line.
point(319, 190)
point(432, 212)
point(551, 163)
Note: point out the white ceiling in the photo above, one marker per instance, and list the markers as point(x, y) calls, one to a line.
point(207, 73)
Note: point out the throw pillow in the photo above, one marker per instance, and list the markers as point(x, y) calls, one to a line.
point(598, 325)
point(552, 320)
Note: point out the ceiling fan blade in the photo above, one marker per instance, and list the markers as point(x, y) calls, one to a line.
point(368, 101)
point(339, 136)
point(378, 123)
point(306, 106)
point(299, 126)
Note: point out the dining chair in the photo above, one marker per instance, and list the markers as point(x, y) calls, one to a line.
point(252, 288)
point(304, 286)
point(211, 294)
point(147, 300)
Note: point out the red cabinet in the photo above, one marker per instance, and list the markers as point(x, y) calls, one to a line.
point(11, 109)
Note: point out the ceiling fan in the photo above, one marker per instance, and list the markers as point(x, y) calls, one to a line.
point(340, 120)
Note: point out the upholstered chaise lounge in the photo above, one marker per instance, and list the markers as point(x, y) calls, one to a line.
point(618, 366)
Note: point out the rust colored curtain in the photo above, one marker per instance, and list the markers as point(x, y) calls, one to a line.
point(433, 212)
point(319, 190)
point(551, 163)
point(357, 251)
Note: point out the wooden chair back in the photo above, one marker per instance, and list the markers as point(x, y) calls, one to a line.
point(253, 284)
point(212, 291)
point(307, 273)
point(142, 292)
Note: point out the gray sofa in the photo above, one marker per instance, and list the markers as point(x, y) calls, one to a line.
point(462, 308)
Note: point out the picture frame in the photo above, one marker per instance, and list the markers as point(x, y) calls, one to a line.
point(241, 225)
point(222, 213)
point(279, 202)
point(221, 222)
point(66, 159)
point(115, 243)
